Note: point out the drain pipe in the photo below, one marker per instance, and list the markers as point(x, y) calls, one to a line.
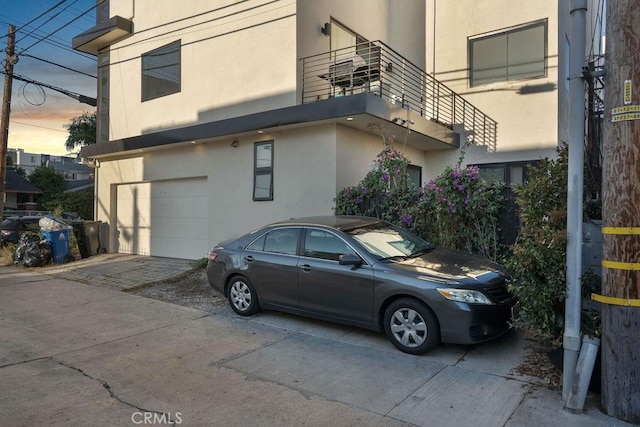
point(571, 337)
point(582, 374)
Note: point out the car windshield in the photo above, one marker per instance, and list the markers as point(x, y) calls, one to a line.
point(388, 242)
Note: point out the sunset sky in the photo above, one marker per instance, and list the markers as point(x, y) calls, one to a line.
point(38, 114)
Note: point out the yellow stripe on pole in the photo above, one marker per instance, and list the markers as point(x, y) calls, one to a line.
point(626, 302)
point(621, 230)
point(614, 265)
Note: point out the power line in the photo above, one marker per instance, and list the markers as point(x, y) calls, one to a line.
point(211, 37)
point(39, 16)
point(60, 65)
point(81, 98)
point(36, 126)
point(60, 28)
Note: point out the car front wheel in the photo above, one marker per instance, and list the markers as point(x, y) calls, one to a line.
point(243, 297)
point(411, 326)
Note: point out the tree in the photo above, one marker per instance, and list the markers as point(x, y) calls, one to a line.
point(17, 169)
point(50, 181)
point(82, 131)
point(80, 202)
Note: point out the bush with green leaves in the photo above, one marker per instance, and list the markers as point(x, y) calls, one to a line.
point(458, 209)
point(538, 259)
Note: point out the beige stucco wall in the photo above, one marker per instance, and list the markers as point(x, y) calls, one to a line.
point(238, 61)
point(527, 124)
point(357, 152)
point(304, 180)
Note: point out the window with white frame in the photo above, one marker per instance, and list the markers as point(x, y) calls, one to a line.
point(514, 54)
point(263, 171)
point(161, 71)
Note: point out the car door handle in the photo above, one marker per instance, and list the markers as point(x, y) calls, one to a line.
point(248, 258)
point(306, 268)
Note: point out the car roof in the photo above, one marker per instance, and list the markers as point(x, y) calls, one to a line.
point(340, 222)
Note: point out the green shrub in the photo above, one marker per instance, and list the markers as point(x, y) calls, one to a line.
point(538, 258)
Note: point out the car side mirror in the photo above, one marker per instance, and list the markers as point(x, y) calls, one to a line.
point(350, 259)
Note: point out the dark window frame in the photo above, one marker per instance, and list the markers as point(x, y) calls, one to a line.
point(262, 171)
point(417, 169)
point(506, 33)
point(146, 84)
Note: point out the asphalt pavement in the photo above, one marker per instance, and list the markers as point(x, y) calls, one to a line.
point(76, 351)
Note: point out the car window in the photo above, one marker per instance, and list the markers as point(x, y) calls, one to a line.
point(385, 241)
point(325, 245)
point(280, 241)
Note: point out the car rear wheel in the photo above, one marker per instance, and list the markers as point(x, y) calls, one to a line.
point(243, 297)
point(411, 326)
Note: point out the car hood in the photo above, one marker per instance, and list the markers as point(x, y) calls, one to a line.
point(446, 265)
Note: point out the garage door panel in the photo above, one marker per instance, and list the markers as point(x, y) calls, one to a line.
point(163, 218)
point(178, 227)
point(180, 207)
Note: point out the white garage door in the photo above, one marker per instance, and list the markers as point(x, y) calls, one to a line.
point(163, 218)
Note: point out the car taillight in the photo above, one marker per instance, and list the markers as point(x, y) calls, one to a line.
point(212, 255)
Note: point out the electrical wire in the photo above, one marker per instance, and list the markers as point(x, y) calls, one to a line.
point(199, 23)
point(49, 19)
point(60, 65)
point(39, 16)
point(207, 38)
point(26, 98)
point(36, 126)
point(60, 28)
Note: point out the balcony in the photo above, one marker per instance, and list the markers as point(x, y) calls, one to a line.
point(375, 68)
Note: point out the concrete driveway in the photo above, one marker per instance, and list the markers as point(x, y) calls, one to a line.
point(73, 353)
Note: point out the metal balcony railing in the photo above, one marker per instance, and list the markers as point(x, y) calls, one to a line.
point(376, 68)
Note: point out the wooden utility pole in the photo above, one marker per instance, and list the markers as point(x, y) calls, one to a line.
point(10, 60)
point(621, 215)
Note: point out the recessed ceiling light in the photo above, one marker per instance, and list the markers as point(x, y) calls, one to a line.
point(260, 131)
point(349, 119)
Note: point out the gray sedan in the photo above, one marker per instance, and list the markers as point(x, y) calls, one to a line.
point(365, 272)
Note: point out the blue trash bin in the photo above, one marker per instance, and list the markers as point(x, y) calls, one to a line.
point(59, 241)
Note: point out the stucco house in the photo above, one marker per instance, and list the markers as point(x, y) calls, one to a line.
point(217, 117)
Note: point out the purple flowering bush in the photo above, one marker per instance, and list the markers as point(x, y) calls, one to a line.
point(458, 209)
point(383, 193)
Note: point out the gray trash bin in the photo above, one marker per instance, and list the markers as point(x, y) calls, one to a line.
point(88, 236)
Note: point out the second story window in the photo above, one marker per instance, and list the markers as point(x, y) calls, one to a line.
point(161, 71)
point(514, 54)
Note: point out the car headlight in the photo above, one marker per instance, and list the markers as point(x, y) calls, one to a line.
point(465, 295)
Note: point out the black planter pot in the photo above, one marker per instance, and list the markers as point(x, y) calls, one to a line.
point(556, 356)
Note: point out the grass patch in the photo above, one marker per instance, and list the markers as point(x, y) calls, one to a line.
point(6, 254)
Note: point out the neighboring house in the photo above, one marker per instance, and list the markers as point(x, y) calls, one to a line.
point(80, 185)
point(217, 117)
point(70, 167)
point(20, 192)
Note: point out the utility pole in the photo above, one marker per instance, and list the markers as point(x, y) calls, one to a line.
point(10, 60)
point(621, 215)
